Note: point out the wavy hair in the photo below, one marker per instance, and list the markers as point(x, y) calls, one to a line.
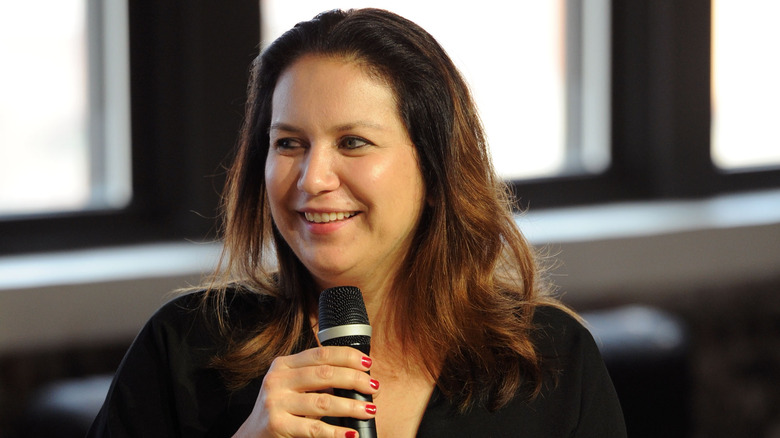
point(470, 282)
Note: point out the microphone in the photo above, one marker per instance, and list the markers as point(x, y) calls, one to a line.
point(343, 321)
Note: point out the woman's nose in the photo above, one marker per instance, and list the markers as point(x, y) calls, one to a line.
point(317, 173)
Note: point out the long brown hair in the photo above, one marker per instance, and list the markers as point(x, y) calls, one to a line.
point(467, 290)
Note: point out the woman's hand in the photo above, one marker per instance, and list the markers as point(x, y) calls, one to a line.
point(292, 398)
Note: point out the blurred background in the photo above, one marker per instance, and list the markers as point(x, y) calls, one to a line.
point(640, 139)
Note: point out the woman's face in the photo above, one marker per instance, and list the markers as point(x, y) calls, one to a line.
point(343, 181)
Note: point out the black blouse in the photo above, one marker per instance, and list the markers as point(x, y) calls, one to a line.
point(165, 387)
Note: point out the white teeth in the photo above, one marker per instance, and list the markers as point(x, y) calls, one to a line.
point(321, 218)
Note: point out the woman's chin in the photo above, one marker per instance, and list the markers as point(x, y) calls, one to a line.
point(330, 275)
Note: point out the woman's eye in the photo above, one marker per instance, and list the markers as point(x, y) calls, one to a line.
point(353, 142)
point(286, 143)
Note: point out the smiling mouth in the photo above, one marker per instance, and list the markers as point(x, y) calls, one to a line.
point(322, 218)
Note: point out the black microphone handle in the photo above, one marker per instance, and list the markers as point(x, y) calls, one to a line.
point(366, 428)
point(343, 321)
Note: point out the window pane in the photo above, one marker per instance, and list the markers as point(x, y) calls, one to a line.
point(47, 117)
point(745, 86)
point(513, 55)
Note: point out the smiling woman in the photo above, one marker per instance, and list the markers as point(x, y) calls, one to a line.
point(345, 151)
point(363, 162)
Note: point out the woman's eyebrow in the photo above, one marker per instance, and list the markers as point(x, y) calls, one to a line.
point(358, 124)
point(281, 126)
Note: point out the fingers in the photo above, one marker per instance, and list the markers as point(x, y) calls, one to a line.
point(336, 356)
point(305, 427)
point(322, 368)
point(278, 398)
point(324, 404)
point(293, 395)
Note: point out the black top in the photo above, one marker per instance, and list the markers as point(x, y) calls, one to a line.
point(164, 386)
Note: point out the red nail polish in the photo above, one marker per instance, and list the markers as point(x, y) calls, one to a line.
point(351, 434)
point(374, 384)
point(371, 409)
point(366, 362)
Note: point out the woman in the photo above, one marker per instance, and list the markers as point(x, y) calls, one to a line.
point(362, 162)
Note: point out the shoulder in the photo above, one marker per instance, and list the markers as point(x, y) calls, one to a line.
point(577, 398)
point(555, 327)
point(166, 384)
point(563, 342)
point(193, 319)
point(238, 305)
point(582, 386)
point(552, 316)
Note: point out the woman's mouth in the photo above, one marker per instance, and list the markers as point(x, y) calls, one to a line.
point(322, 218)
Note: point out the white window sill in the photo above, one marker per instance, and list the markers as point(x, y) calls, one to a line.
point(637, 219)
point(107, 265)
point(650, 251)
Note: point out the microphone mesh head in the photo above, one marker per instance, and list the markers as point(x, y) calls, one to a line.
point(342, 305)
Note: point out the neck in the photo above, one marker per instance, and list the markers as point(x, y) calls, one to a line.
point(374, 293)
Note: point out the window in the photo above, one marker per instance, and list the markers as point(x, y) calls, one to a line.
point(745, 86)
point(661, 113)
point(65, 111)
point(179, 105)
point(539, 71)
point(629, 86)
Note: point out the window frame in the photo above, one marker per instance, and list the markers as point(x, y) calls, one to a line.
point(188, 79)
point(188, 74)
point(660, 129)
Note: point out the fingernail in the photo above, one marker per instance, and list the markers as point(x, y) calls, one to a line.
point(371, 409)
point(374, 383)
point(351, 434)
point(366, 362)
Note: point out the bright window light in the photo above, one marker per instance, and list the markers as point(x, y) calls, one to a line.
point(513, 55)
point(64, 133)
point(745, 85)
